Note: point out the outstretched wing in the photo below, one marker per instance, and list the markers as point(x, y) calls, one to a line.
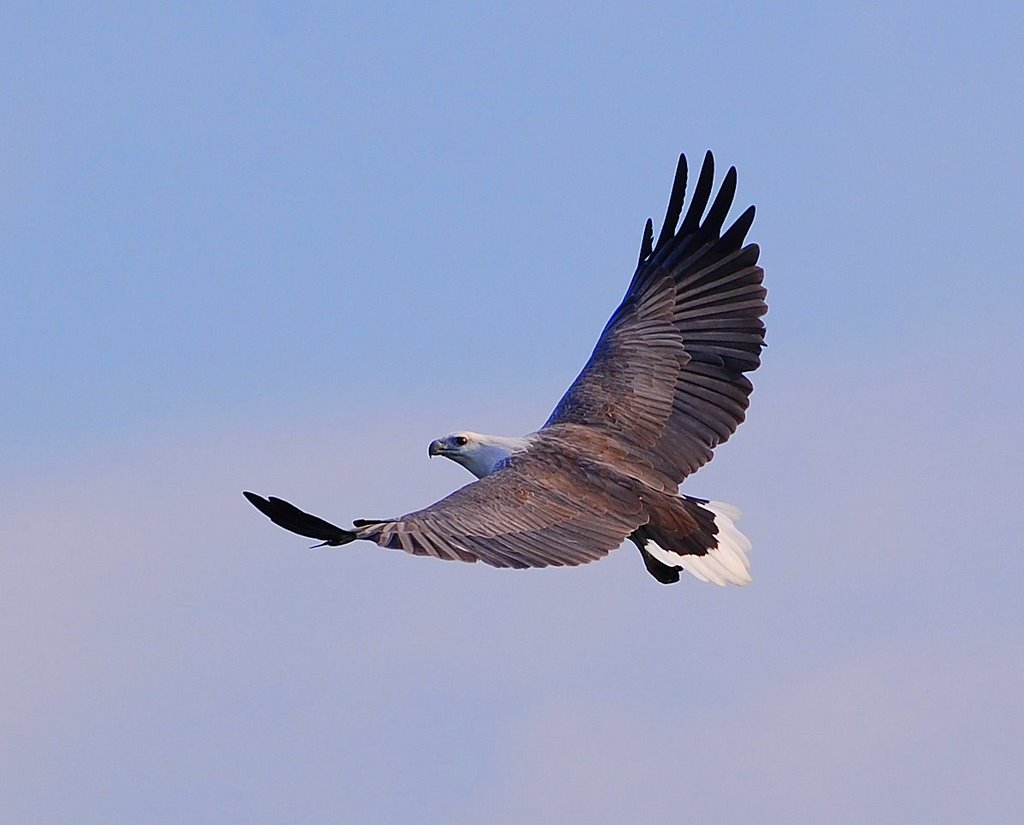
point(667, 374)
point(539, 511)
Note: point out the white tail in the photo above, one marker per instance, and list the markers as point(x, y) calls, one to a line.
point(725, 564)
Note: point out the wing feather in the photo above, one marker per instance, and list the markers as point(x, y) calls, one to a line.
point(667, 374)
point(701, 193)
point(675, 202)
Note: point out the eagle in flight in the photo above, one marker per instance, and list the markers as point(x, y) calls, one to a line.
point(664, 386)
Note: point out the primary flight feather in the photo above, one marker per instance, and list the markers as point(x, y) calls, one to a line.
point(664, 386)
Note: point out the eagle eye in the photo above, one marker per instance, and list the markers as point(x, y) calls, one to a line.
point(461, 440)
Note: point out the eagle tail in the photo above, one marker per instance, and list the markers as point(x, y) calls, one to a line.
point(698, 536)
point(292, 518)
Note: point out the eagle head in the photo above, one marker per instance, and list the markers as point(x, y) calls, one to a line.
point(480, 454)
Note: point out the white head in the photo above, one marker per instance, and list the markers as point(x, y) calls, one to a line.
point(480, 454)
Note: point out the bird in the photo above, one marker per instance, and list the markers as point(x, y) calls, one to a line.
point(665, 385)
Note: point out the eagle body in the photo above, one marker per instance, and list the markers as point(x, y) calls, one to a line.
point(663, 387)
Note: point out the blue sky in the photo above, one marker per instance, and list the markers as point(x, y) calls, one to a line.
point(283, 249)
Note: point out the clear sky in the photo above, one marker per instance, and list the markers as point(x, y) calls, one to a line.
point(252, 247)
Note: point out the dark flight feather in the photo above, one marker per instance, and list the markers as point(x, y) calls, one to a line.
point(292, 518)
point(675, 203)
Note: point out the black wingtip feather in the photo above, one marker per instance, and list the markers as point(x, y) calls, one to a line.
point(737, 233)
point(720, 208)
point(701, 193)
point(675, 202)
point(295, 520)
point(646, 242)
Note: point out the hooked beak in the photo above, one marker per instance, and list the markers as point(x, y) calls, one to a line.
point(435, 448)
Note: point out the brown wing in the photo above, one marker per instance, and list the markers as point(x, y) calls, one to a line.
point(540, 510)
point(562, 502)
point(667, 374)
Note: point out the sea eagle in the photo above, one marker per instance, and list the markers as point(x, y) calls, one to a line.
point(664, 386)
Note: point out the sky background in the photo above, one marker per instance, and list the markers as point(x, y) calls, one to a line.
point(250, 246)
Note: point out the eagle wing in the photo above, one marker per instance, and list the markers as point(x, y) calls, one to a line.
point(667, 374)
point(545, 508)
